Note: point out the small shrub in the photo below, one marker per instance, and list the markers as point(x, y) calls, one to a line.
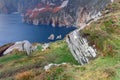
point(39, 47)
point(109, 28)
point(109, 72)
point(57, 73)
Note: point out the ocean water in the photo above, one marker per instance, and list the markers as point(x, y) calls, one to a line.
point(12, 29)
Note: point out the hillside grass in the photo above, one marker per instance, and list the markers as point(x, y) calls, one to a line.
point(19, 62)
point(104, 35)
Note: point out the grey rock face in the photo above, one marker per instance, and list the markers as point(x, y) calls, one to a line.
point(27, 46)
point(20, 46)
point(79, 47)
point(45, 46)
point(51, 37)
point(47, 67)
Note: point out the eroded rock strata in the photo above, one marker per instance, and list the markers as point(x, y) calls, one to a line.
point(79, 47)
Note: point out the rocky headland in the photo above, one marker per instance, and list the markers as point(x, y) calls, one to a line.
point(63, 13)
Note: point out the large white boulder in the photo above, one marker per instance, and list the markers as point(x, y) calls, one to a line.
point(51, 37)
point(27, 46)
point(21, 46)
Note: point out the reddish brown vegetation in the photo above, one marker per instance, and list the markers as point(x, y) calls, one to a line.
point(56, 9)
point(24, 76)
point(47, 8)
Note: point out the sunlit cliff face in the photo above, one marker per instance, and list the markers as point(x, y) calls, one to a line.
point(55, 12)
point(47, 6)
point(65, 12)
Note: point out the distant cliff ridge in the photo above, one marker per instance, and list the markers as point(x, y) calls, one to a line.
point(55, 12)
point(9, 6)
point(64, 12)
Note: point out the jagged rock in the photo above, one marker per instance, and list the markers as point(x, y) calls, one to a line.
point(59, 37)
point(45, 46)
point(51, 37)
point(35, 22)
point(20, 46)
point(79, 47)
point(47, 67)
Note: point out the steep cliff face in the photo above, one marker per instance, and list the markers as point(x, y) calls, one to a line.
point(9, 6)
point(79, 47)
point(55, 12)
point(65, 12)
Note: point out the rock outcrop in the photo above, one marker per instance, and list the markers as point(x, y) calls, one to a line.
point(59, 37)
point(45, 46)
point(79, 47)
point(47, 67)
point(20, 46)
point(51, 37)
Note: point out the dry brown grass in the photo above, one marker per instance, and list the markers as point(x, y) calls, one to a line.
point(27, 75)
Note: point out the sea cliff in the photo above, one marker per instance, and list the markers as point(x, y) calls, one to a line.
point(65, 12)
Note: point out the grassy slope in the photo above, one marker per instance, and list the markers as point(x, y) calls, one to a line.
point(18, 62)
point(105, 34)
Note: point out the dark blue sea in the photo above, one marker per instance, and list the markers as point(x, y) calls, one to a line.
point(12, 29)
